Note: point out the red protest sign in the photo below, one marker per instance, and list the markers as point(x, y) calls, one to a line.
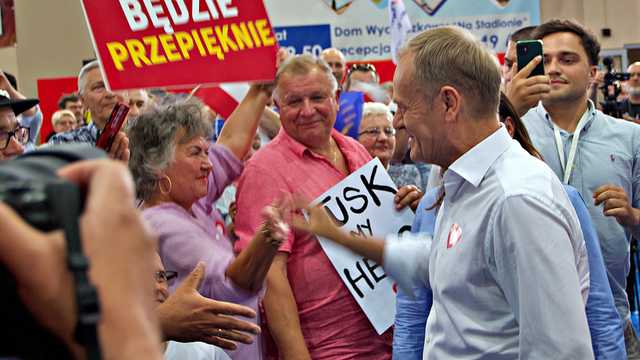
point(163, 43)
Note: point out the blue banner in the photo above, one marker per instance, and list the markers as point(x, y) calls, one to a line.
point(350, 113)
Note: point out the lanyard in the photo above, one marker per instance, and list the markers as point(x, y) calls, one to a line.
point(568, 167)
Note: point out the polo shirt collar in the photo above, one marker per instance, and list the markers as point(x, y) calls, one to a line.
point(299, 149)
point(473, 165)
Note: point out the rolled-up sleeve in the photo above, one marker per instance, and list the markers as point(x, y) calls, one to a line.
point(226, 168)
point(530, 247)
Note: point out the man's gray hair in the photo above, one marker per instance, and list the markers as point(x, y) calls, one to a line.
point(82, 76)
point(152, 139)
point(376, 108)
point(303, 65)
point(453, 56)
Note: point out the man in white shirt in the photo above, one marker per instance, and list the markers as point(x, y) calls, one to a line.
point(507, 264)
point(502, 265)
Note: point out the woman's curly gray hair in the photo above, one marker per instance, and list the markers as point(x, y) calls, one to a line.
point(152, 139)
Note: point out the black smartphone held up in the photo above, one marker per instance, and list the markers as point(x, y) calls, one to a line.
point(114, 124)
point(526, 51)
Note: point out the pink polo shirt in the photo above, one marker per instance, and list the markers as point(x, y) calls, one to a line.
point(333, 325)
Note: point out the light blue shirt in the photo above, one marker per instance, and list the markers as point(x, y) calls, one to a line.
point(34, 123)
point(607, 153)
point(604, 323)
point(507, 265)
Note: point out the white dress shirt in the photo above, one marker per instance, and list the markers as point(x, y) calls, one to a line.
point(507, 278)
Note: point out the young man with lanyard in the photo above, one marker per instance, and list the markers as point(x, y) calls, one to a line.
point(595, 153)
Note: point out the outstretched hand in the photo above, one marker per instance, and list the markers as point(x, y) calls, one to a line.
point(318, 221)
point(187, 316)
point(408, 195)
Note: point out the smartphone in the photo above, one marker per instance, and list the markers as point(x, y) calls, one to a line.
point(114, 124)
point(526, 51)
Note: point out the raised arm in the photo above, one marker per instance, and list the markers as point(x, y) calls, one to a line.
point(240, 128)
point(249, 269)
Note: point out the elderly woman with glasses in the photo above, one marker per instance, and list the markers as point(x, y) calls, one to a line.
point(179, 174)
point(376, 132)
point(378, 136)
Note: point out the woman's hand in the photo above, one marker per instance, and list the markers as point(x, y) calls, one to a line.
point(275, 229)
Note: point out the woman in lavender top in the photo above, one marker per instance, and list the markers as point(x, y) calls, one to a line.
point(179, 175)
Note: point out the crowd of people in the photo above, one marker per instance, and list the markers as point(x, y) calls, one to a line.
point(526, 198)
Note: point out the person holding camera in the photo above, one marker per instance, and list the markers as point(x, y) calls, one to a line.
point(179, 175)
point(121, 264)
point(593, 152)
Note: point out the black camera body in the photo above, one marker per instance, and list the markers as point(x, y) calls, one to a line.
point(29, 184)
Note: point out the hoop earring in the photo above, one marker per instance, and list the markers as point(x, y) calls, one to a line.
point(165, 177)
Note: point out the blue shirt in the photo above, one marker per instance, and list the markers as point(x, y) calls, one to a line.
point(34, 123)
point(604, 323)
point(85, 134)
point(608, 152)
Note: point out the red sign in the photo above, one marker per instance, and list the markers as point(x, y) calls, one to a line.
point(164, 43)
point(49, 92)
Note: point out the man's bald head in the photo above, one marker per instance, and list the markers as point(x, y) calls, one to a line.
point(335, 59)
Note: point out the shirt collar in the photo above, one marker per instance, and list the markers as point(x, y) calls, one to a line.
point(473, 165)
point(299, 149)
point(591, 110)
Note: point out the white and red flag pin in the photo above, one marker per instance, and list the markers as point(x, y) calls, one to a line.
point(455, 236)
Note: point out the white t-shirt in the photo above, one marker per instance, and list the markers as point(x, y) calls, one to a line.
point(194, 351)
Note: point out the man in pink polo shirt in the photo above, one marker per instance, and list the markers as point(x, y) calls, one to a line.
point(309, 311)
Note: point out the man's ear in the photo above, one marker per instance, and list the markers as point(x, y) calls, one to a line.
point(592, 73)
point(451, 101)
point(511, 128)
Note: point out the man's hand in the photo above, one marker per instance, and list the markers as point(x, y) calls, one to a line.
point(120, 148)
point(408, 195)
point(46, 289)
point(187, 316)
point(616, 204)
point(525, 92)
point(119, 266)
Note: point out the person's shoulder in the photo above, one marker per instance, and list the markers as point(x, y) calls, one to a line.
point(350, 142)
point(622, 132)
point(517, 173)
point(617, 123)
point(165, 217)
point(80, 134)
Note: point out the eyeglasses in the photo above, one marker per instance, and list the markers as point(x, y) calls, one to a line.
point(166, 277)
point(21, 134)
point(375, 132)
point(362, 67)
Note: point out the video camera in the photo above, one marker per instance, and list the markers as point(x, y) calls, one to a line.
point(29, 184)
point(612, 88)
